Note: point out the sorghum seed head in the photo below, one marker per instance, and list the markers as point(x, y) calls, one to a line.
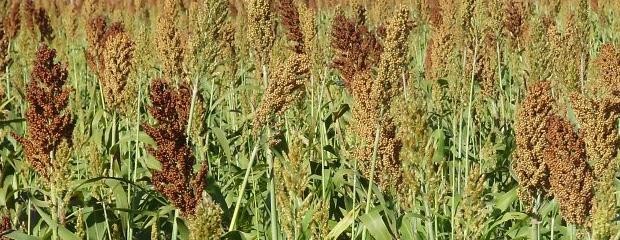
point(608, 64)
point(176, 180)
point(206, 223)
point(261, 32)
point(356, 49)
point(48, 123)
point(95, 32)
point(285, 87)
point(598, 120)
point(393, 63)
point(570, 176)
point(170, 41)
point(289, 15)
point(530, 132)
point(117, 61)
point(12, 21)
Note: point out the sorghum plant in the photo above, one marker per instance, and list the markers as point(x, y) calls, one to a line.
point(261, 32)
point(570, 176)
point(285, 87)
point(12, 21)
point(293, 174)
point(5, 227)
point(5, 60)
point(442, 61)
point(205, 41)
point(515, 20)
point(95, 33)
point(118, 63)
point(176, 180)
point(598, 112)
point(471, 211)
point(530, 133)
point(48, 121)
point(170, 41)
point(537, 56)
point(357, 51)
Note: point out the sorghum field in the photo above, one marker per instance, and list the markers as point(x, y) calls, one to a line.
point(293, 119)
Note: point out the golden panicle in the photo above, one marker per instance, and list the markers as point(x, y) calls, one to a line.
point(205, 40)
point(488, 64)
point(357, 50)
point(537, 58)
point(61, 167)
point(530, 131)
point(170, 41)
point(206, 223)
point(229, 52)
point(27, 13)
point(412, 125)
point(261, 29)
point(604, 206)
point(373, 109)
point(472, 211)
point(489, 53)
point(570, 57)
point(393, 64)
point(608, 66)
point(570, 175)
point(118, 63)
point(598, 120)
point(285, 87)
point(293, 176)
point(307, 18)
point(442, 54)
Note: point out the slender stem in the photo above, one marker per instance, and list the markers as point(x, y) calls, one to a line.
point(191, 109)
point(175, 225)
point(242, 187)
point(372, 173)
point(113, 143)
point(469, 113)
point(272, 192)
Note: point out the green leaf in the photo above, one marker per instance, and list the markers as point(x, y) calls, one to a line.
point(20, 236)
point(406, 228)
point(375, 225)
point(507, 217)
point(151, 162)
point(142, 137)
point(65, 234)
point(344, 223)
point(223, 141)
point(439, 137)
point(503, 201)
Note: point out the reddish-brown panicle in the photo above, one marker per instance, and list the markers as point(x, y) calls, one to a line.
point(176, 180)
point(48, 122)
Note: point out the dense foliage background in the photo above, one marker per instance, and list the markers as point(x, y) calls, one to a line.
point(293, 119)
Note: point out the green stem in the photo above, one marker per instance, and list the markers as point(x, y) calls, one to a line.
point(242, 187)
point(112, 144)
point(175, 225)
point(372, 173)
